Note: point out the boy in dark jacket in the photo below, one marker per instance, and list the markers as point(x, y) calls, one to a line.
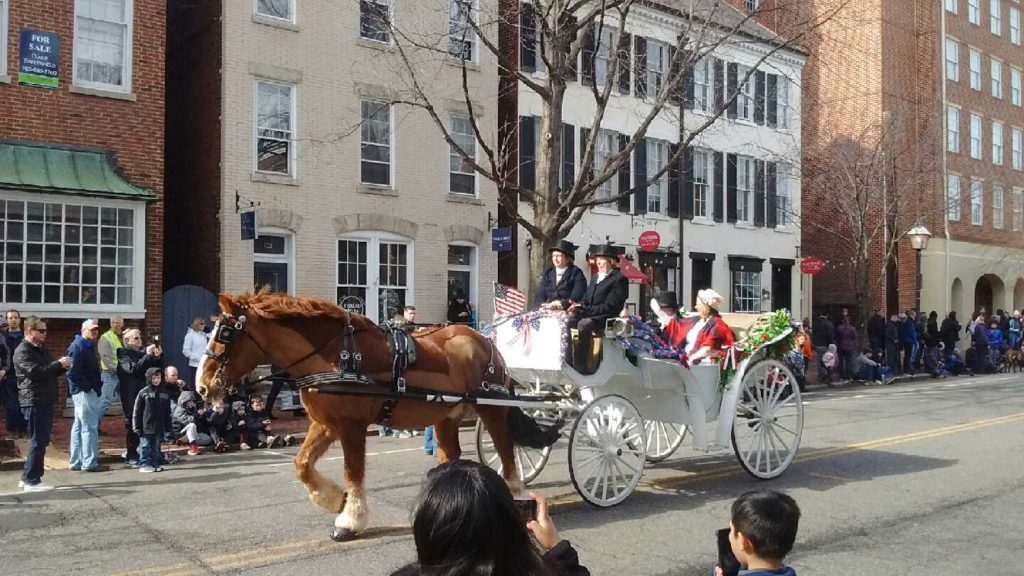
point(222, 430)
point(255, 427)
point(189, 422)
point(762, 531)
point(150, 419)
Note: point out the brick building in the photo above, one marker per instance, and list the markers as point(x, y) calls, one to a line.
point(282, 108)
point(958, 166)
point(82, 161)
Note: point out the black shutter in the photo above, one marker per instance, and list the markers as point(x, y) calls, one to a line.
point(584, 140)
point(640, 171)
point(732, 87)
point(759, 193)
point(687, 81)
point(730, 188)
point(527, 153)
point(640, 65)
point(568, 157)
point(568, 22)
point(624, 63)
point(527, 38)
point(676, 86)
point(719, 178)
point(625, 178)
point(772, 101)
point(674, 185)
point(770, 172)
point(687, 187)
point(719, 68)
point(589, 52)
point(759, 97)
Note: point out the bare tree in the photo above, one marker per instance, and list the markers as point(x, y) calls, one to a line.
point(570, 37)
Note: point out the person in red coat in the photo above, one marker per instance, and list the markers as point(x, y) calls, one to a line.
point(703, 336)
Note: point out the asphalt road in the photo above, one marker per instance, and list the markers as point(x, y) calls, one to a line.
point(914, 479)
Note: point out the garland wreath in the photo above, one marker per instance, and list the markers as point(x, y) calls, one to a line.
point(773, 332)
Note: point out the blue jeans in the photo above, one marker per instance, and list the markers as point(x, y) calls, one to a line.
point(39, 420)
point(149, 450)
point(14, 418)
point(110, 385)
point(429, 441)
point(85, 438)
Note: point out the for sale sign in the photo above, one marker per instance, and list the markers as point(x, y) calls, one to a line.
point(39, 59)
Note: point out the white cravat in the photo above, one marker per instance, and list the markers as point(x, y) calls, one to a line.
point(559, 272)
point(601, 276)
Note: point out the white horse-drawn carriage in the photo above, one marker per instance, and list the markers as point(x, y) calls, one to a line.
point(636, 408)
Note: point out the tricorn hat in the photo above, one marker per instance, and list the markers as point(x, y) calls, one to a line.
point(606, 250)
point(667, 300)
point(565, 247)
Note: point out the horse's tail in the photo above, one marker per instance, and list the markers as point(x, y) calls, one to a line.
point(527, 432)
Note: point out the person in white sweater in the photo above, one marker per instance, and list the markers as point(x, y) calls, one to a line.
point(195, 346)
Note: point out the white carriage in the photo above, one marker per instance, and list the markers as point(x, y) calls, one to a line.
point(638, 409)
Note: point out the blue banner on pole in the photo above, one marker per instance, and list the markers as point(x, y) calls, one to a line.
point(39, 59)
point(501, 240)
point(248, 225)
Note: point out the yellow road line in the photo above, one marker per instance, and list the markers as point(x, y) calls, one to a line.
point(274, 554)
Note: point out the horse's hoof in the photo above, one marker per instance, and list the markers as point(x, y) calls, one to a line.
point(342, 535)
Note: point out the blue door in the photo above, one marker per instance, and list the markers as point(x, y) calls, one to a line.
point(181, 305)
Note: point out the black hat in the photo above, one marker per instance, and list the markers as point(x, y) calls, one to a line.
point(667, 300)
point(606, 250)
point(565, 247)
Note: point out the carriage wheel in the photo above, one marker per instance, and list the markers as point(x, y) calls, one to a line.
point(606, 451)
point(529, 461)
point(663, 439)
point(769, 420)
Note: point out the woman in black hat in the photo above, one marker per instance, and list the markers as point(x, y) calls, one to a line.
point(563, 283)
point(605, 297)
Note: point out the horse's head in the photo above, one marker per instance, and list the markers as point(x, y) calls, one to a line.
point(231, 354)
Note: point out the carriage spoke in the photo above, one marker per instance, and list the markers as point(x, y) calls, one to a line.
point(777, 425)
point(781, 441)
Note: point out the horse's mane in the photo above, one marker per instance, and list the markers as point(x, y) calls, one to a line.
point(277, 306)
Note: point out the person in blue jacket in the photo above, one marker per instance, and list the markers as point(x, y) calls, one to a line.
point(85, 387)
point(563, 283)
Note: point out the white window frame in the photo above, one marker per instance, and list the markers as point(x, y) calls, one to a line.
point(657, 158)
point(974, 68)
point(997, 207)
point(389, 7)
point(657, 67)
point(373, 285)
point(469, 36)
point(603, 56)
point(390, 145)
point(291, 12)
point(974, 12)
point(996, 71)
point(783, 198)
point(751, 5)
point(293, 122)
point(995, 15)
point(136, 309)
point(953, 129)
point(1016, 152)
point(607, 146)
point(997, 143)
point(703, 184)
point(745, 189)
point(126, 54)
point(1014, 26)
point(952, 60)
point(953, 197)
point(1018, 209)
point(782, 102)
point(1015, 86)
point(750, 279)
point(473, 297)
point(288, 258)
point(951, 6)
point(3, 37)
point(977, 202)
point(704, 84)
point(977, 138)
point(468, 146)
point(744, 95)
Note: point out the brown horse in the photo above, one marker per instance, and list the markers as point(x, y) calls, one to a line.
point(304, 336)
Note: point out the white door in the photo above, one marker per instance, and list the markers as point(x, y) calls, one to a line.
point(375, 274)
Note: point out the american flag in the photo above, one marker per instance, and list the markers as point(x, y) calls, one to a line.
point(508, 300)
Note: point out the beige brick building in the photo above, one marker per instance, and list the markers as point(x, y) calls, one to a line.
point(287, 108)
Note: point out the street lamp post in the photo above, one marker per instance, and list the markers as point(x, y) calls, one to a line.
point(918, 236)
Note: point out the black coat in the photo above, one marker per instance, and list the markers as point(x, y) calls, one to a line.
point(572, 287)
point(152, 413)
point(605, 300)
point(823, 332)
point(950, 331)
point(876, 329)
point(563, 558)
point(454, 309)
point(37, 373)
point(131, 375)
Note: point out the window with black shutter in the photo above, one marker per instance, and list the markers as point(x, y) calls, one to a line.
point(760, 96)
point(759, 193)
point(625, 177)
point(771, 100)
point(640, 171)
point(527, 38)
point(732, 82)
point(568, 25)
point(568, 158)
point(624, 63)
point(640, 65)
point(770, 173)
point(718, 206)
point(676, 88)
point(687, 184)
point(589, 53)
point(719, 68)
point(730, 188)
point(674, 184)
point(527, 153)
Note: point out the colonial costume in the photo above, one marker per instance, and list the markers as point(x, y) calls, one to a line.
point(605, 297)
point(704, 335)
point(563, 285)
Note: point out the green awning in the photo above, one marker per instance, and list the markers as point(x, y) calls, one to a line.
point(50, 168)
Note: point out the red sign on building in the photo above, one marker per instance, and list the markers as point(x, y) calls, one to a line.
point(649, 240)
point(812, 265)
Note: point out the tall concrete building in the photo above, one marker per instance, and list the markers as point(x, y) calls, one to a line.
point(947, 77)
point(286, 109)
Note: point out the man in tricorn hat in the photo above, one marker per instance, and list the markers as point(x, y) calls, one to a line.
point(563, 283)
point(605, 297)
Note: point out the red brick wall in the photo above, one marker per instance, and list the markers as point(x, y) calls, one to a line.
point(133, 130)
point(194, 57)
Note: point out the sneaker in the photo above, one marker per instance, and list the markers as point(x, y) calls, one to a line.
point(221, 447)
point(37, 487)
point(159, 469)
point(275, 442)
point(261, 445)
point(194, 450)
point(124, 455)
point(147, 469)
point(290, 440)
point(170, 457)
point(98, 468)
point(245, 446)
point(404, 434)
point(384, 432)
point(131, 464)
point(75, 468)
point(21, 483)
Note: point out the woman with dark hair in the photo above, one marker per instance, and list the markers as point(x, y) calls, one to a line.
point(468, 524)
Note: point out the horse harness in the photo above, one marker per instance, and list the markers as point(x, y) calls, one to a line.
point(350, 380)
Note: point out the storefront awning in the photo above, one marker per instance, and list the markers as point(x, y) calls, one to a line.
point(631, 272)
point(56, 169)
